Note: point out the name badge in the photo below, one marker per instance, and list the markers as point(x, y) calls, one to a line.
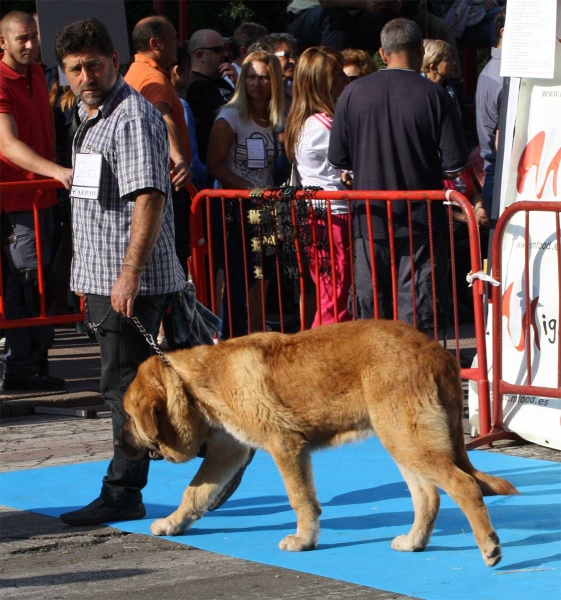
point(256, 155)
point(86, 176)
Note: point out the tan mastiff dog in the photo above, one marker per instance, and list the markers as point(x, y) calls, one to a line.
point(291, 394)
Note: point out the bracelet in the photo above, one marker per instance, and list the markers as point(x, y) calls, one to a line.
point(135, 267)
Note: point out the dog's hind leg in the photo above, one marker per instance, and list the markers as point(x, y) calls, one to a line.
point(466, 493)
point(224, 456)
point(292, 458)
point(464, 490)
point(426, 502)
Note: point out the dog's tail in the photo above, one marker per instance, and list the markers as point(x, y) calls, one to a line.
point(493, 486)
point(490, 485)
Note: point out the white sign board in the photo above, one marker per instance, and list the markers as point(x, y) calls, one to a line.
point(529, 39)
point(53, 15)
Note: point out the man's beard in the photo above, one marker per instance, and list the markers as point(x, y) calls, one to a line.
point(93, 101)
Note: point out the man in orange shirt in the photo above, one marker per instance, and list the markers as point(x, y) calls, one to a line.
point(155, 44)
point(26, 153)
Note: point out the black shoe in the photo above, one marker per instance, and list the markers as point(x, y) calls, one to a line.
point(36, 382)
point(233, 485)
point(99, 512)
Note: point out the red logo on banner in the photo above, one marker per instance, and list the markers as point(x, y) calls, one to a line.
point(533, 321)
point(532, 157)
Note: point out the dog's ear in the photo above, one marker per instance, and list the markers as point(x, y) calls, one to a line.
point(147, 417)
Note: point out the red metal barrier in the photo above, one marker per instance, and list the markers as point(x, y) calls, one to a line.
point(43, 318)
point(224, 206)
point(499, 386)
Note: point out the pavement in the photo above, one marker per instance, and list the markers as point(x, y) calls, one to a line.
point(76, 358)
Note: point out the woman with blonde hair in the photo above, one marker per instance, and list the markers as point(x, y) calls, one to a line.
point(439, 66)
point(254, 113)
point(243, 150)
point(319, 80)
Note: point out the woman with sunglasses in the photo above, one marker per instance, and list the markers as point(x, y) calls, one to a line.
point(357, 63)
point(243, 150)
point(318, 81)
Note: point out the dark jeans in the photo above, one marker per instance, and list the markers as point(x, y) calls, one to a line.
point(482, 33)
point(487, 192)
point(423, 280)
point(181, 207)
point(237, 274)
point(123, 348)
point(335, 27)
point(26, 349)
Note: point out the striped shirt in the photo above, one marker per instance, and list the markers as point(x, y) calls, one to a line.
point(131, 136)
point(488, 105)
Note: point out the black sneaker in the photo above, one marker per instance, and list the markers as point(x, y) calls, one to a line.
point(36, 382)
point(99, 512)
point(233, 485)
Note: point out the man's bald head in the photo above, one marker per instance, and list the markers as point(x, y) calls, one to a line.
point(207, 51)
point(204, 38)
point(16, 17)
point(149, 28)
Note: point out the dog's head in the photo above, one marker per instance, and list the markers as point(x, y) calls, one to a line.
point(162, 419)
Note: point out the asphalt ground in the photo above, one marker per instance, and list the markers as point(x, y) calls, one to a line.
point(40, 557)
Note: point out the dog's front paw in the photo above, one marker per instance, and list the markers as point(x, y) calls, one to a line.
point(296, 543)
point(167, 527)
point(404, 543)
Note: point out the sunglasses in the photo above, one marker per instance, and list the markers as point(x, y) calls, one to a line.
point(217, 49)
point(286, 54)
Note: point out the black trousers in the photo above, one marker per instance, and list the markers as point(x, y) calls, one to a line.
point(336, 27)
point(27, 348)
point(365, 292)
point(123, 348)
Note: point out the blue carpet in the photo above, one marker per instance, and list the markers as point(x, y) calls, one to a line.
point(365, 504)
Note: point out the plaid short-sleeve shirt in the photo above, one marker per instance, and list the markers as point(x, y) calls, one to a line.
point(131, 136)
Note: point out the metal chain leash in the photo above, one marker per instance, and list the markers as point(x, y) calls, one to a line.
point(93, 327)
point(151, 342)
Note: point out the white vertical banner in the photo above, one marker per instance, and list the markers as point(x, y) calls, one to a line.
point(534, 174)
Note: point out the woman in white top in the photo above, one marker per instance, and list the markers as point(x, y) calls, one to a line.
point(319, 79)
point(243, 141)
point(243, 149)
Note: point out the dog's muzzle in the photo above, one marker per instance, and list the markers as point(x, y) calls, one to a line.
point(135, 452)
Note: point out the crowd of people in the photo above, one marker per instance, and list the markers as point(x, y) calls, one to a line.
point(252, 115)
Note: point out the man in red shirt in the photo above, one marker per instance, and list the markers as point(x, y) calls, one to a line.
point(26, 152)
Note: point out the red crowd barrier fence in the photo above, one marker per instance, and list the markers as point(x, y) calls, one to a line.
point(43, 318)
point(229, 270)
